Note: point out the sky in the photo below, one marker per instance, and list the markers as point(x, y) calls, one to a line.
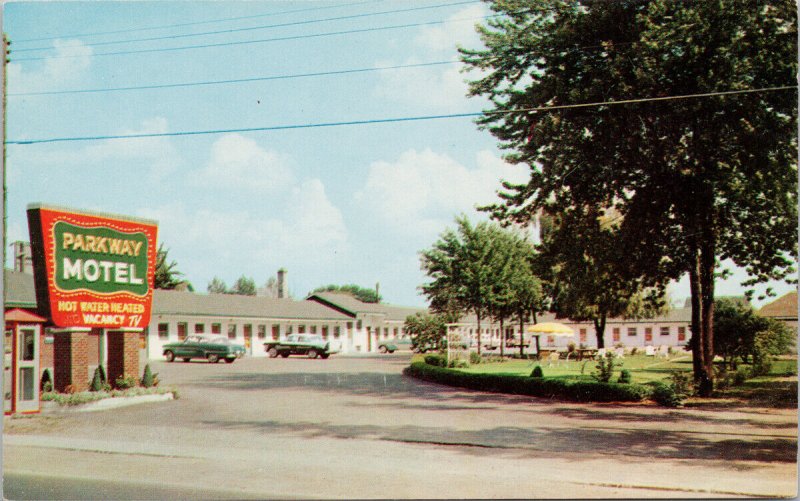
point(331, 205)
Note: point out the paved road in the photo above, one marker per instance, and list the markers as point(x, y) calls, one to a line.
point(355, 427)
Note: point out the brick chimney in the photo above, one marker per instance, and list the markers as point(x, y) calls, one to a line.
point(282, 285)
point(23, 260)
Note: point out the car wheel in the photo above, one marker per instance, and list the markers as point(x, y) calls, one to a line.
point(272, 352)
point(230, 360)
point(325, 355)
point(285, 354)
point(383, 349)
point(170, 356)
point(212, 358)
point(391, 351)
point(312, 353)
point(186, 359)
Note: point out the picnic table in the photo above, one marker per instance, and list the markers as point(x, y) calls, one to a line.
point(586, 353)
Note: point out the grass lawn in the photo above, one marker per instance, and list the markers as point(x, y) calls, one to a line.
point(641, 367)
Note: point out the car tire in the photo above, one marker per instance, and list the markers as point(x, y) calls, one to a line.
point(169, 355)
point(186, 359)
point(324, 356)
point(230, 360)
point(212, 358)
point(272, 352)
point(285, 354)
point(312, 353)
point(383, 349)
point(391, 351)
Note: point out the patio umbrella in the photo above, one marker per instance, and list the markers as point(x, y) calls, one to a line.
point(550, 329)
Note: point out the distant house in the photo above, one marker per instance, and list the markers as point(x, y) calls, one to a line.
point(784, 309)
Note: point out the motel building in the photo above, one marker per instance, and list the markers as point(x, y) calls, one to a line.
point(354, 326)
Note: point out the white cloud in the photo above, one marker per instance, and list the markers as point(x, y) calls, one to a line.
point(433, 87)
point(310, 230)
point(458, 29)
point(156, 153)
point(238, 161)
point(423, 190)
point(55, 70)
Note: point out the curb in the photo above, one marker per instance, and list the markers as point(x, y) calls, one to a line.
point(106, 403)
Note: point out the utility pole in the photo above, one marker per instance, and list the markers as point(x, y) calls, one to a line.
point(3, 164)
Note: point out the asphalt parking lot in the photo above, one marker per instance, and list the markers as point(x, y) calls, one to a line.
point(354, 426)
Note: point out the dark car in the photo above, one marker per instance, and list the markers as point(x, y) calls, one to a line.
point(212, 348)
point(310, 345)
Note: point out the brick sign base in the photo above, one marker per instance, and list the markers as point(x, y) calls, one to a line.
point(123, 354)
point(71, 360)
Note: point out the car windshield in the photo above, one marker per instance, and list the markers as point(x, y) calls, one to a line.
point(218, 340)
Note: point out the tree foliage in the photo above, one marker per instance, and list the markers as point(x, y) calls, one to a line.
point(166, 274)
point(742, 335)
point(693, 180)
point(363, 294)
point(584, 263)
point(217, 286)
point(244, 286)
point(427, 331)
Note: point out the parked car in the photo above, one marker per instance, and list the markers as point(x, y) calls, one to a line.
point(212, 348)
point(310, 345)
point(387, 347)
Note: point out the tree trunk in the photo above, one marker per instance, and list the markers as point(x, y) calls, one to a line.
point(600, 331)
point(502, 338)
point(697, 346)
point(707, 265)
point(478, 316)
point(535, 321)
point(521, 335)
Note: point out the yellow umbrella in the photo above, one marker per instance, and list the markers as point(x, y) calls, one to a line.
point(550, 329)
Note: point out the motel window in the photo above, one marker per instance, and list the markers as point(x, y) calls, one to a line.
point(231, 331)
point(276, 331)
point(583, 335)
point(301, 329)
point(289, 329)
point(395, 332)
point(681, 333)
point(349, 326)
point(216, 328)
point(336, 332)
point(385, 332)
point(359, 325)
point(615, 334)
point(199, 328)
point(665, 331)
point(262, 331)
point(313, 329)
point(325, 332)
point(163, 331)
point(631, 331)
point(182, 328)
point(648, 333)
point(248, 330)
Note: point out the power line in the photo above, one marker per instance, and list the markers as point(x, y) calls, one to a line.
point(231, 81)
point(264, 40)
point(180, 25)
point(264, 27)
point(398, 119)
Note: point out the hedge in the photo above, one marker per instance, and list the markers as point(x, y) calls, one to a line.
point(579, 391)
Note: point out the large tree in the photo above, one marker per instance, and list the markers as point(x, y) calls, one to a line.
point(693, 179)
point(244, 286)
point(166, 275)
point(469, 268)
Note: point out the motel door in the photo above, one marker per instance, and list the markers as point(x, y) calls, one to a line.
point(7, 379)
point(27, 369)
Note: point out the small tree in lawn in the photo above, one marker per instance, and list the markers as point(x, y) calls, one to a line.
point(148, 379)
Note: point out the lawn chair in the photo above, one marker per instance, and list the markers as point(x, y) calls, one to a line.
point(552, 358)
point(620, 352)
point(663, 351)
point(601, 353)
point(649, 351)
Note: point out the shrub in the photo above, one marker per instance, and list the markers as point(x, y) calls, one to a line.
point(458, 364)
point(537, 372)
point(681, 384)
point(474, 358)
point(605, 367)
point(436, 360)
point(762, 365)
point(633, 351)
point(148, 378)
point(666, 396)
point(590, 391)
point(46, 383)
point(739, 377)
point(102, 373)
point(97, 380)
point(624, 377)
point(125, 382)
